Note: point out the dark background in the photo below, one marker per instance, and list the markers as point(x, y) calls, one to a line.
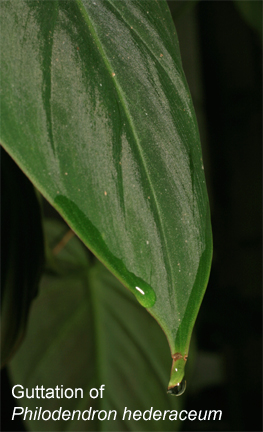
point(222, 57)
point(224, 72)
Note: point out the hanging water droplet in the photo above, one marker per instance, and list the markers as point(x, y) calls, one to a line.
point(178, 390)
point(145, 294)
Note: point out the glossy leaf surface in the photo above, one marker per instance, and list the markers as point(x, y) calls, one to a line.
point(97, 112)
point(86, 330)
point(22, 254)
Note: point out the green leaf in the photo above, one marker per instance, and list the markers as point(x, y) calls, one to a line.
point(86, 330)
point(96, 110)
point(251, 12)
point(22, 252)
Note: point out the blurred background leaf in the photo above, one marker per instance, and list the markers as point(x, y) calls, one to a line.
point(251, 12)
point(22, 253)
point(86, 329)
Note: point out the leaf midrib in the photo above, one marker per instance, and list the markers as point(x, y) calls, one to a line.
point(130, 121)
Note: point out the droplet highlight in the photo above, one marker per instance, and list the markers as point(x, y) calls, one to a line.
point(140, 290)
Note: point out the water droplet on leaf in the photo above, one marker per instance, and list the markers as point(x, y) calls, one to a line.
point(145, 294)
point(178, 390)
